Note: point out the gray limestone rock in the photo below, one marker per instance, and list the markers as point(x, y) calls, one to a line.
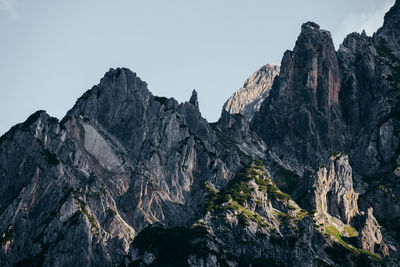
point(304, 173)
point(248, 99)
point(334, 194)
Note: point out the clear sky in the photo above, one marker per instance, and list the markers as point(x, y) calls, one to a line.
point(52, 51)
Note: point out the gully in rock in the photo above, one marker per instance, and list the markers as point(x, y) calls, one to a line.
point(301, 169)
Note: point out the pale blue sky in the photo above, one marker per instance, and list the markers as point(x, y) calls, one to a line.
point(52, 51)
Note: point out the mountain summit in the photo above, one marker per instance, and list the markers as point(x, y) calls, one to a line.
point(247, 100)
point(302, 168)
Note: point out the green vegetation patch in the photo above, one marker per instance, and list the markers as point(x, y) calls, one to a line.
point(7, 236)
point(238, 188)
point(245, 215)
point(300, 215)
point(274, 193)
point(112, 212)
point(238, 192)
point(285, 217)
point(351, 231)
point(332, 231)
point(83, 210)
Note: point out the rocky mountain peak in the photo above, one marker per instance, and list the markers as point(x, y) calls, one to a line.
point(193, 99)
point(310, 179)
point(392, 18)
point(248, 99)
point(303, 100)
point(34, 124)
point(389, 34)
point(316, 62)
point(122, 79)
point(309, 26)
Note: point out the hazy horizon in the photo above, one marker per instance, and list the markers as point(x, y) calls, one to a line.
point(52, 53)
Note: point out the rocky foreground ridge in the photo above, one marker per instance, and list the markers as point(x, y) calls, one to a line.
point(309, 177)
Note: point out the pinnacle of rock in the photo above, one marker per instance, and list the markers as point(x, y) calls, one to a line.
point(247, 100)
point(310, 26)
point(193, 99)
point(301, 169)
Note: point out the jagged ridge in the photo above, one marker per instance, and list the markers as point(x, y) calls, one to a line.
point(84, 191)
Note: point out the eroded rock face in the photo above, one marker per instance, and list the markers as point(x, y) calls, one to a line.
point(120, 160)
point(85, 190)
point(248, 99)
point(370, 102)
point(236, 230)
point(301, 118)
point(334, 194)
point(371, 235)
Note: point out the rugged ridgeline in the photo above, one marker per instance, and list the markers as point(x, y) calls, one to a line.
point(128, 178)
point(248, 99)
point(333, 120)
point(79, 191)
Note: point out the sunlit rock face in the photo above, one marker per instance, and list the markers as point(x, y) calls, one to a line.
point(301, 169)
point(248, 99)
point(334, 193)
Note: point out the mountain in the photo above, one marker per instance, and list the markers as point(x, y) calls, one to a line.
point(307, 174)
point(247, 100)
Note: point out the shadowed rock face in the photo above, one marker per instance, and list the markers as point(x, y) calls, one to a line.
point(129, 178)
point(314, 67)
point(391, 29)
point(370, 101)
point(301, 117)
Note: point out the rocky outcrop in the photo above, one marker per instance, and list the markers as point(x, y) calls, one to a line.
point(312, 179)
point(250, 222)
point(301, 117)
point(120, 160)
point(333, 190)
point(370, 103)
point(248, 99)
point(59, 214)
point(369, 99)
point(371, 236)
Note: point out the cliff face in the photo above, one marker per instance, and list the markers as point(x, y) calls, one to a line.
point(248, 99)
point(79, 190)
point(302, 117)
point(249, 222)
point(129, 178)
point(370, 104)
point(350, 105)
point(334, 194)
